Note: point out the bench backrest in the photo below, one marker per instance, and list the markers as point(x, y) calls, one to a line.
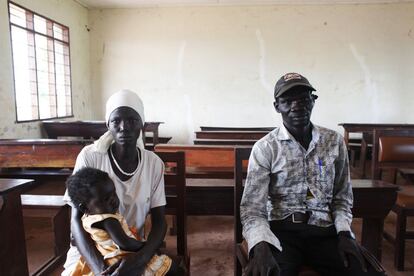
point(92, 130)
point(84, 129)
point(40, 153)
point(225, 134)
point(209, 128)
point(205, 161)
point(241, 156)
point(392, 149)
point(202, 155)
point(175, 189)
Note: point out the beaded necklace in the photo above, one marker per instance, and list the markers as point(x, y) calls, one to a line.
point(119, 167)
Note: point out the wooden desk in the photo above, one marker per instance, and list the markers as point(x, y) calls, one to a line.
point(240, 135)
point(230, 142)
point(13, 258)
point(373, 200)
point(367, 132)
point(40, 153)
point(209, 128)
point(84, 129)
point(152, 127)
point(204, 161)
point(215, 197)
point(92, 130)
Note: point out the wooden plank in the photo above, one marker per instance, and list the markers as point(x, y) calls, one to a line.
point(42, 201)
point(40, 153)
point(204, 161)
point(209, 128)
point(202, 156)
point(85, 129)
point(367, 130)
point(248, 135)
point(13, 257)
point(94, 129)
point(231, 142)
point(162, 140)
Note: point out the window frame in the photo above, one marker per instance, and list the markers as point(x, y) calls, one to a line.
point(34, 32)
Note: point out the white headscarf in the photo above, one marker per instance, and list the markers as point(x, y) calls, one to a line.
point(126, 98)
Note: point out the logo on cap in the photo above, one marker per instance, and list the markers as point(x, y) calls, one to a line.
point(292, 76)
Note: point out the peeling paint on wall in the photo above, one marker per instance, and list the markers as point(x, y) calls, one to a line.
point(371, 90)
point(262, 62)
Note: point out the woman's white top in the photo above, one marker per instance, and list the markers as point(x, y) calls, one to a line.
point(137, 195)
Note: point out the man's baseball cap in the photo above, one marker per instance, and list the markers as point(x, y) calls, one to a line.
point(289, 81)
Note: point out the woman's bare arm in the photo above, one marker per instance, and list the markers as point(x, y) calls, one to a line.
point(134, 264)
point(85, 244)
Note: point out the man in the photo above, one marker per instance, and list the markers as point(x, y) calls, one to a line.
point(296, 206)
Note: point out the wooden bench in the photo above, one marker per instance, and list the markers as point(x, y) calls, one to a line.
point(94, 129)
point(367, 129)
point(40, 153)
point(44, 160)
point(176, 200)
point(50, 206)
point(210, 128)
point(394, 149)
point(240, 135)
point(204, 161)
point(13, 257)
point(229, 142)
point(233, 136)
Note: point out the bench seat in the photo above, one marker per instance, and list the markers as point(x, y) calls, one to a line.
point(54, 207)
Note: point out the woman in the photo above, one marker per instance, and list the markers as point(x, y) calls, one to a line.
point(138, 176)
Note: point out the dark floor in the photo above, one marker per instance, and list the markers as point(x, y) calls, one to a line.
point(210, 240)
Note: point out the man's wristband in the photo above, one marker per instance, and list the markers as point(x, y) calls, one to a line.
point(347, 234)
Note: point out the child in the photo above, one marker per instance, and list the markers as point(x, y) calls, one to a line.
point(93, 193)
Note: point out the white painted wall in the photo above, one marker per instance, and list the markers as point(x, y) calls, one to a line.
point(217, 65)
point(66, 12)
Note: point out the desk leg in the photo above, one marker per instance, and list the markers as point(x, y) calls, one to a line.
point(372, 230)
point(346, 137)
point(363, 157)
point(13, 258)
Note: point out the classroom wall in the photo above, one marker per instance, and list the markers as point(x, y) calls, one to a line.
point(217, 65)
point(66, 12)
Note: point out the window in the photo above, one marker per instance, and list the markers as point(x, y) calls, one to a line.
point(41, 65)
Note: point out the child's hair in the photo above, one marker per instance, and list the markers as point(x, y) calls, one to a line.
point(79, 184)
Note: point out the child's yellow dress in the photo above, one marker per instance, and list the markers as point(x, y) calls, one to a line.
point(157, 266)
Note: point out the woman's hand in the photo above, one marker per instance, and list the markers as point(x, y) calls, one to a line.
point(131, 264)
point(135, 263)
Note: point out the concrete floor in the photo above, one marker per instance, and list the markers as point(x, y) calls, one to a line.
point(210, 240)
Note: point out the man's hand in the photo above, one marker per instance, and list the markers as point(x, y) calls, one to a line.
point(262, 263)
point(348, 246)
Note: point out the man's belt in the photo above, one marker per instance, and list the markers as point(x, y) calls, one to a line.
point(298, 217)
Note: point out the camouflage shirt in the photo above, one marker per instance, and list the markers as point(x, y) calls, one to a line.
point(284, 178)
